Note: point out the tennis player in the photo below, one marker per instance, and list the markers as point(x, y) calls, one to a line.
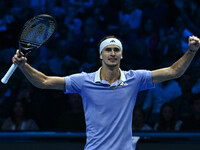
point(109, 94)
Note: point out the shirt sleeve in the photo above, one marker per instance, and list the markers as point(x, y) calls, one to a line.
point(145, 78)
point(74, 83)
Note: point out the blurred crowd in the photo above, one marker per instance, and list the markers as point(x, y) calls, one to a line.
point(154, 34)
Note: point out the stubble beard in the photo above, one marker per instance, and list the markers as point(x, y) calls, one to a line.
point(110, 65)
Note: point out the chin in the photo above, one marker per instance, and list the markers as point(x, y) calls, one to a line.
point(112, 65)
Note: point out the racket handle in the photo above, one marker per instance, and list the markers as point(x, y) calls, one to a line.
point(7, 76)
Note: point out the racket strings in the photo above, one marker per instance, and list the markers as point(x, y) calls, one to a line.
point(37, 32)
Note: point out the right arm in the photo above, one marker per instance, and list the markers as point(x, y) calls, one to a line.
point(37, 78)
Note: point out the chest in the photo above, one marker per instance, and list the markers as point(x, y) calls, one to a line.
point(108, 96)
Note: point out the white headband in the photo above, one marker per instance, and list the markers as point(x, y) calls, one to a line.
point(110, 41)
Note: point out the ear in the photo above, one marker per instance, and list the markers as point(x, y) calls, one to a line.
point(121, 57)
point(100, 56)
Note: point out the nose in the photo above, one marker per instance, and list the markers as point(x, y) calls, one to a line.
point(112, 52)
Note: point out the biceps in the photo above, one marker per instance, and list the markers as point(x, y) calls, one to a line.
point(57, 83)
point(163, 74)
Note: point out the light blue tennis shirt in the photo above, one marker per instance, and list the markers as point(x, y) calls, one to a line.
point(108, 109)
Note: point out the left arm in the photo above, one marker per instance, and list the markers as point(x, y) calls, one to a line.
point(180, 66)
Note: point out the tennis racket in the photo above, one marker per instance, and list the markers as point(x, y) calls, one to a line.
point(34, 34)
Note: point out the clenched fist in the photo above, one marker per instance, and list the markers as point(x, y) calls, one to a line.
point(19, 59)
point(194, 43)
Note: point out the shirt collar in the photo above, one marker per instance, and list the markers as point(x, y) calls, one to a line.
point(98, 79)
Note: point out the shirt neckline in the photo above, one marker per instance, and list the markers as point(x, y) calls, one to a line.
point(98, 79)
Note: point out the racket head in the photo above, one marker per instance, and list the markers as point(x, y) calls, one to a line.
point(36, 32)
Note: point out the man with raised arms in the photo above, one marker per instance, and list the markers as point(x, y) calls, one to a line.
point(109, 94)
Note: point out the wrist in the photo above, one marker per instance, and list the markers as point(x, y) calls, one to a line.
point(21, 66)
point(192, 51)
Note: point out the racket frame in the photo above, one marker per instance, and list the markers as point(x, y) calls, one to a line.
point(13, 67)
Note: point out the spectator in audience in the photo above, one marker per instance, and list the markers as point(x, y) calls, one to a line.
point(139, 120)
point(162, 93)
point(90, 36)
point(139, 56)
point(130, 14)
point(192, 122)
point(82, 3)
point(57, 62)
point(157, 10)
point(168, 42)
point(90, 64)
point(92, 32)
point(182, 103)
point(138, 124)
point(129, 38)
point(189, 18)
point(18, 119)
point(149, 33)
point(73, 118)
point(167, 119)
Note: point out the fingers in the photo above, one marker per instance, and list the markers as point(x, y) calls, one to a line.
point(19, 53)
point(18, 61)
point(19, 58)
point(194, 43)
point(194, 38)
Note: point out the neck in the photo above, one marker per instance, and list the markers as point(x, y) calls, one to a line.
point(110, 74)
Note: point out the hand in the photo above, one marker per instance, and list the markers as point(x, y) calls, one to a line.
point(194, 43)
point(19, 59)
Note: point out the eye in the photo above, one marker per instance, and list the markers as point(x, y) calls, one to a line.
point(116, 49)
point(108, 49)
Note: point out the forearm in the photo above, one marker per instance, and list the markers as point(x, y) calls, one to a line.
point(42, 81)
point(180, 66)
point(35, 77)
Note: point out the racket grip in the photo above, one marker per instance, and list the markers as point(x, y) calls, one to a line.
point(7, 76)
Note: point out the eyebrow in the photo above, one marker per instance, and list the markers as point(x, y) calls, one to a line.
point(116, 48)
point(109, 48)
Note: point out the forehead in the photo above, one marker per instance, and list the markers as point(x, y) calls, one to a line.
point(112, 46)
